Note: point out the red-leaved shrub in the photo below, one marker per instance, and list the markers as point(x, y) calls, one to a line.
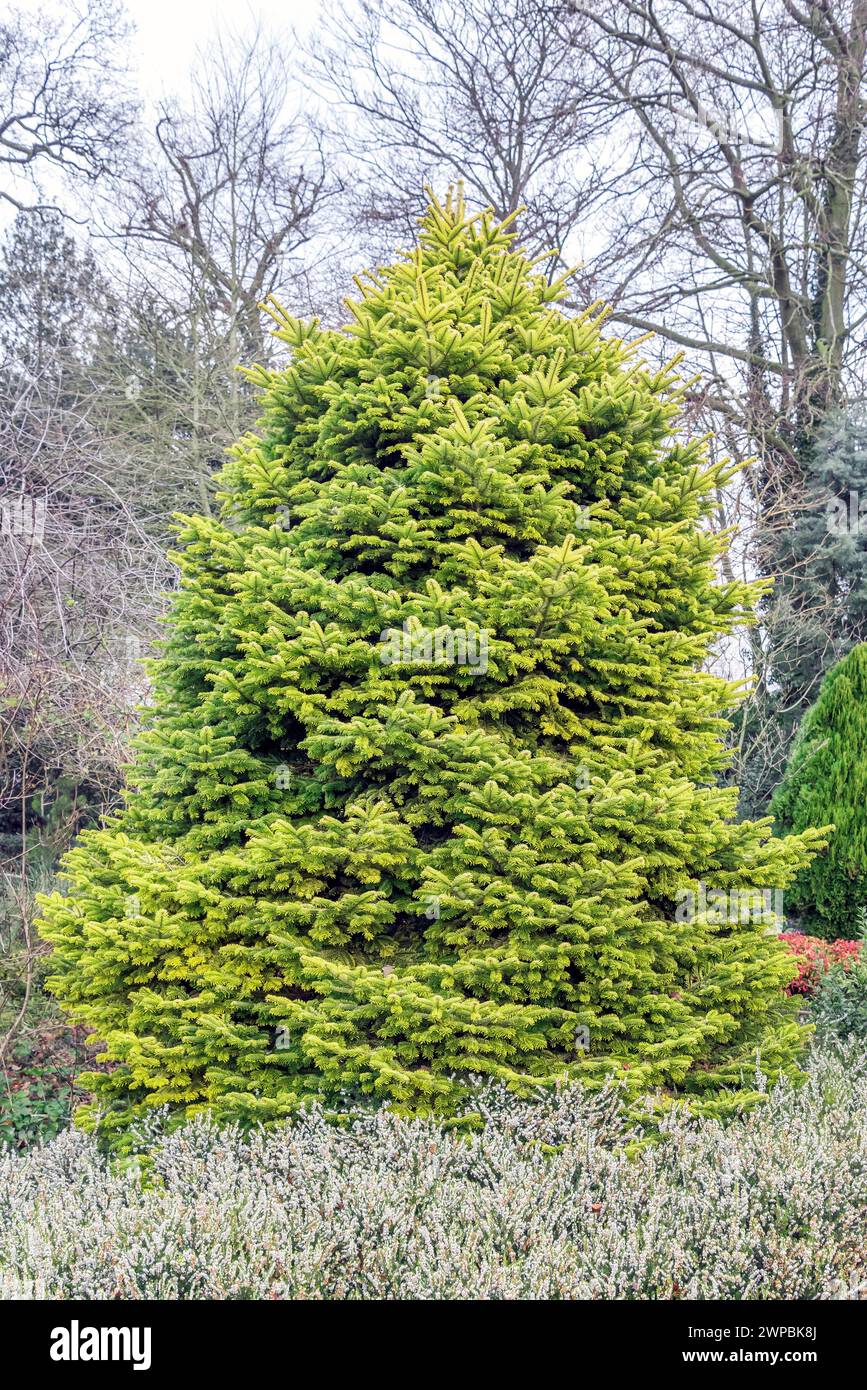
point(814, 957)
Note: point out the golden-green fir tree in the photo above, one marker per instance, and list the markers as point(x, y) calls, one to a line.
point(431, 766)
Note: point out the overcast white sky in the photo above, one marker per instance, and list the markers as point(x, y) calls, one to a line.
point(162, 48)
point(170, 31)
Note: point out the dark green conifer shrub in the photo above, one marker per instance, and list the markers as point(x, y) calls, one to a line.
point(430, 770)
point(826, 783)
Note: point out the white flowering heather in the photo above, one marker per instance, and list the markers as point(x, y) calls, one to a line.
point(547, 1200)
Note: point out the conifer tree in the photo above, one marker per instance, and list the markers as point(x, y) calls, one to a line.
point(430, 772)
point(826, 781)
point(818, 605)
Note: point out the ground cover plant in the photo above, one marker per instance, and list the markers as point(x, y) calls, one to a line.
point(547, 1200)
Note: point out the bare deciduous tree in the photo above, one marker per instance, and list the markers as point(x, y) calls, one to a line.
point(236, 188)
point(494, 93)
point(78, 570)
point(57, 111)
point(741, 237)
